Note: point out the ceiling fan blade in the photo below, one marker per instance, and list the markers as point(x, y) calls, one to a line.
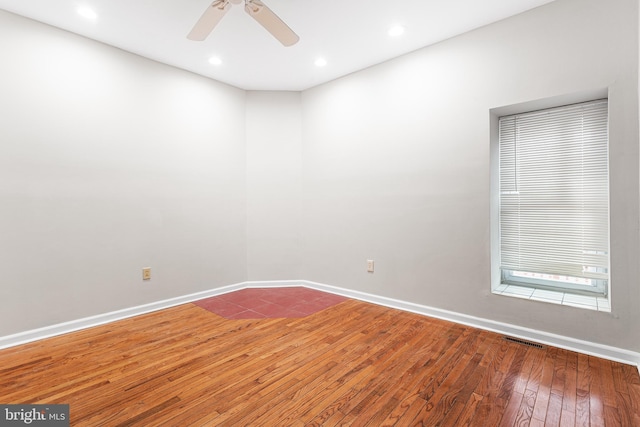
point(271, 22)
point(209, 20)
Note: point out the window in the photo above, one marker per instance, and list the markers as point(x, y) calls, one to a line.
point(554, 198)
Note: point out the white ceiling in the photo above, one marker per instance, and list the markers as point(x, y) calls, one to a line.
point(350, 35)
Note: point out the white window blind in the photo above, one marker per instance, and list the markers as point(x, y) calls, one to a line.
point(554, 193)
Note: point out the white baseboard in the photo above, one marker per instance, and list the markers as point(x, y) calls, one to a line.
point(568, 343)
point(277, 284)
point(101, 319)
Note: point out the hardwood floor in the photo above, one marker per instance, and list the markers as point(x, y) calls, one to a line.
point(352, 364)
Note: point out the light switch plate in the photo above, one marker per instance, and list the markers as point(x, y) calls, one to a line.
point(370, 265)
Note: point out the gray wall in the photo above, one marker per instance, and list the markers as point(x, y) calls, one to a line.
point(110, 163)
point(274, 185)
point(396, 164)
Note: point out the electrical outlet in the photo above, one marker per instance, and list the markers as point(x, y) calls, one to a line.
point(146, 273)
point(370, 265)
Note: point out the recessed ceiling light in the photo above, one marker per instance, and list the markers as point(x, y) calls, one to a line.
point(396, 30)
point(87, 12)
point(321, 62)
point(214, 60)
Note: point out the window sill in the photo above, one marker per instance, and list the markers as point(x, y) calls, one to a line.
point(552, 297)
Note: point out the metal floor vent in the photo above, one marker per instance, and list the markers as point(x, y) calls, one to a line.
point(523, 342)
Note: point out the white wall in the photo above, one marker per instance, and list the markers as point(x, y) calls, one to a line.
point(110, 163)
point(274, 185)
point(396, 164)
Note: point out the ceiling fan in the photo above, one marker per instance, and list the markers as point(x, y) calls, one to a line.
point(258, 11)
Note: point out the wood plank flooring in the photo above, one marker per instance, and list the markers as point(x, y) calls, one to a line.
point(352, 364)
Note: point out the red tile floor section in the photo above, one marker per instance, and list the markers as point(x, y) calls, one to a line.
point(259, 303)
